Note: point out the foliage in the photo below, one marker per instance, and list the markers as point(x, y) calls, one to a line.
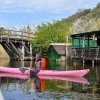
point(55, 32)
point(27, 30)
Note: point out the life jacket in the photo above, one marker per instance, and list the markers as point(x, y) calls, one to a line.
point(43, 63)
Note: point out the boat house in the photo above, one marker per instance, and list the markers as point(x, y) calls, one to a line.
point(57, 51)
point(86, 46)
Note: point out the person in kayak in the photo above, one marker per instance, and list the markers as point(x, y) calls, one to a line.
point(37, 66)
point(40, 64)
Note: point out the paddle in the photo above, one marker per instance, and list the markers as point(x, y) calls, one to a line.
point(23, 69)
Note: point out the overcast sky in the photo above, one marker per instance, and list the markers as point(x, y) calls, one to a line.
point(19, 13)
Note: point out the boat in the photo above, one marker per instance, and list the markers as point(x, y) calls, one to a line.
point(63, 78)
point(46, 72)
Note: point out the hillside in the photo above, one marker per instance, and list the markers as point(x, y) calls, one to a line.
point(89, 13)
point(85, 20)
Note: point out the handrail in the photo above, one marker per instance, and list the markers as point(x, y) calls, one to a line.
point(91, 53)
point(16, 34)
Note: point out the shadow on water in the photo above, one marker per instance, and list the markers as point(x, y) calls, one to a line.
point(40, 88)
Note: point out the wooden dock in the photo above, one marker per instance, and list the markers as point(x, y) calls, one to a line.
point(86, 46)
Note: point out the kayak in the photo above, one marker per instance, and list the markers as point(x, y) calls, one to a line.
point(46, 72)
point(26, 77)
point(64, 73)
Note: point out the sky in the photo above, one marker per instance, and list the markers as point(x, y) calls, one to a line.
point(20, 13)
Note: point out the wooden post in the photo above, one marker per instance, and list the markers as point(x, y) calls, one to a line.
point(31, 63)
point(66, 51)
point(23, 51)
point(83, 63)
point(83, 48)
point(83, 42)
point(23, 64)
point(30, 51)
point(66, 47)
point(92, 63)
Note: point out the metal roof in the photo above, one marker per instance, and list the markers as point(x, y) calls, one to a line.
point(86, 34)
point(60, 48)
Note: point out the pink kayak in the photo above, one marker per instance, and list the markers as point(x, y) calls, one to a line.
point(67, 78)
point(46, 72)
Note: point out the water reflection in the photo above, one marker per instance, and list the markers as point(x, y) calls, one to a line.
point(39, 80)
point(9, 85)
point(24, 88)
point(39, 84)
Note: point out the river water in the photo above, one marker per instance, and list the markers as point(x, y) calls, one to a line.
point(36, 88)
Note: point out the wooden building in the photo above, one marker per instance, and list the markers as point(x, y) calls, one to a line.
point(86, 46)
point(57, 51)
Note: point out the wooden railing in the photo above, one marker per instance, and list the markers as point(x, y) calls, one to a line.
point(86, 53)
point(15, 34)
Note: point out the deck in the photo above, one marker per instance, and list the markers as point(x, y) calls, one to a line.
point(92, 53)
point(86, 46)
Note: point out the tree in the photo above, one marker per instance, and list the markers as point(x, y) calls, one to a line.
point(52, 33)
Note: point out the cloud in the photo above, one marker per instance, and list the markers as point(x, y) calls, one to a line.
point(7, 2)
point(31, 5)
point(21, 12)
point(53, 6)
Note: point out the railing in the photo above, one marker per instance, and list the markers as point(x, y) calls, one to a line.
point(15, 34)
point(86, 53)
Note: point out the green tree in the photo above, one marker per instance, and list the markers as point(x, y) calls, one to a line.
point(55, 32)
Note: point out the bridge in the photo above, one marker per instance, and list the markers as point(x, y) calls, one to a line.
point(17, 44)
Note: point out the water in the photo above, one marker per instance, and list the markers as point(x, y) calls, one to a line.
point(25, 89)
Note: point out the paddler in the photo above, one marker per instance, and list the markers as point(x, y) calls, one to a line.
point(40, 64)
